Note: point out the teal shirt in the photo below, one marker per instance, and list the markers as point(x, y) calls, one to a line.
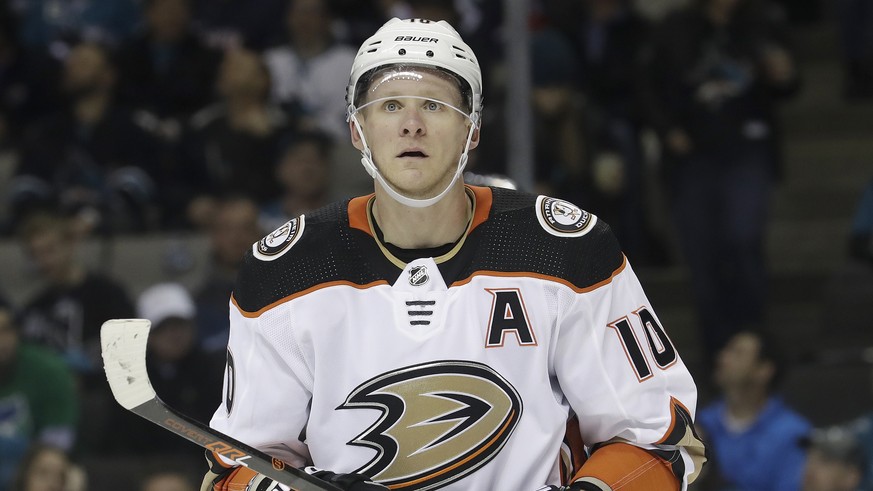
point(38, 393)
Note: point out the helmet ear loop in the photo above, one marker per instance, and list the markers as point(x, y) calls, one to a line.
point(366, 153)
point(476, 118)
point(462, 162)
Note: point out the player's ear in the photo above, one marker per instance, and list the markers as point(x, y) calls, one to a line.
point(474, 140)
point(356, 136)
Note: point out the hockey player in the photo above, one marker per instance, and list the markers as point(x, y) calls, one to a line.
point(435, 335)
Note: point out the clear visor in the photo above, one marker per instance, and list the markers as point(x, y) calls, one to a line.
point(413, 81)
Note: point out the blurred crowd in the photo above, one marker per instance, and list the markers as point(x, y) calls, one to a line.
point(226, 118)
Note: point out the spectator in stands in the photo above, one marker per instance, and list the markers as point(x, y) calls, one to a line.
point(65, 315)
point(303, 173)
point(8, 163)
point(862, 429)
point(227, 24)
point(27, 78)
point(94, 158)
point(307, 71)
point(38, 401)
point(180, 371)
point(49, 468)
point(754, 436)
point(715, 72)
point(182, 374)
point(608, 38)
point(836, 460)
point(237, 140)
point(311, 68)
point(861, 234)
point(165, 68)
point(58, 25)
point(232, 231)
point(856, 39)
point(27, 93)
point(167, 74)
point(557, 111)
point(167, 481)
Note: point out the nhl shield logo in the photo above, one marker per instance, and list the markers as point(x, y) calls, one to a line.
point(562, 218)
point(418, 275)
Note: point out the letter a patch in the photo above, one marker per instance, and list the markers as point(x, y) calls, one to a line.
point(508, 315)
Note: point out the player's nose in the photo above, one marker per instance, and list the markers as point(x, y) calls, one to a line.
point(413, 123)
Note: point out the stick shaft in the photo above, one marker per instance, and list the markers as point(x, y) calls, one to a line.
point(124, 343)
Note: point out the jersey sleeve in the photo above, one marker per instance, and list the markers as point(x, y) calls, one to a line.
point(622, 374)
point(267, 385)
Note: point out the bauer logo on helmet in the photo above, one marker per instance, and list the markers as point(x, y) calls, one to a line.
point(417, 38)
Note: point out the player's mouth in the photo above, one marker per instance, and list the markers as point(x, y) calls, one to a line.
point(412, 153)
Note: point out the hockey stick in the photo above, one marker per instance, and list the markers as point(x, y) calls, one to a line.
point(124, 343)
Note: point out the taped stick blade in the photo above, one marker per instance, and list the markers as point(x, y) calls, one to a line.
point(123, 343)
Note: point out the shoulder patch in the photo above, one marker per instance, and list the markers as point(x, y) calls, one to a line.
point(562, 218)
point(277, 243)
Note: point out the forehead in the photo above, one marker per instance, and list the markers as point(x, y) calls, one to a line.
point(745, 343)
point(413, 80)
point(86, 53)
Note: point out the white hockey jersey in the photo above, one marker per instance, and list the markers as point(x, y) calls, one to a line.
point(458, 369)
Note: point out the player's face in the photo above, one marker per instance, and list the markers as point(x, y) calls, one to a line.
point(415, 137)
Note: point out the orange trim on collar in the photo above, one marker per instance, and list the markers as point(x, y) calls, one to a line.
point(484, 199)
point(357, 209)
point(358, 213)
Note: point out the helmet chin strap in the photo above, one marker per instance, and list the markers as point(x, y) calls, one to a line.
point(370, 165)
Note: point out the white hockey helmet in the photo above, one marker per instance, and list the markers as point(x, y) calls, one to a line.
point(417, 42)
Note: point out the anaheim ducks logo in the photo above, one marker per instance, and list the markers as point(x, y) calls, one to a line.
point(562, 218)
point(280, 240)
point(440, 421)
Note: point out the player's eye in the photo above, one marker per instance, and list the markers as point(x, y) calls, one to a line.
point(432, 106)
point(391, 106)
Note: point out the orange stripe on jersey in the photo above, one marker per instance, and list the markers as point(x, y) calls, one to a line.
point(518, 274)
point(625, 467)
point(358, 214)
point(304, 292)
point(484, 198)
point(329, 284)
